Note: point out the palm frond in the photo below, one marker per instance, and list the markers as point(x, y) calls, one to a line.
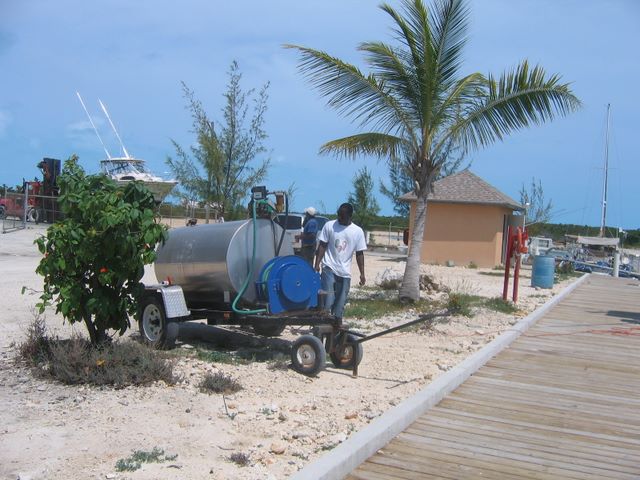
point(449, 20)
point(379, 145)
point(516, 100)
point(397, 75)
point(348, 90)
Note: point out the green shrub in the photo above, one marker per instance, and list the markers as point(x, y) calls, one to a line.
point(218, 382)
point(94, 257)
point(76, 361)
point(461, 303)
point(240, 458)
point(499, 305)
point(36, 350)
point(138, 457)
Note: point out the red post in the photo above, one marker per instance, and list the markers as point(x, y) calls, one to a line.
point(516, 277)
point(507, 266)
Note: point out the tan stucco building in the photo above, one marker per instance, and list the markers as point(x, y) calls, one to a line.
point(466, 221)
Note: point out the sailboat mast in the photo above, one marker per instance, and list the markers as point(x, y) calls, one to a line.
point(606, 174)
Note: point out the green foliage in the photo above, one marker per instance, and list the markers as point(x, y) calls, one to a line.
point(365, 205)
point(215, 356)
point(218, 382)
point(221, 167)
point(533, 199)
point(461, 303)
point(472, 264)
point(94, 258)
point(497, 304)
point(400, 182)
point(138, 457)
point(557, 232)
point(36, 350)
point(421, 109)
point(76, 362)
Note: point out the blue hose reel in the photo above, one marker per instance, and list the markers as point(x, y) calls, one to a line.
point(287, 284)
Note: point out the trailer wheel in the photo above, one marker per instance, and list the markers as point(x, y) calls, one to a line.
point(308, 355)
point(349, 355)
point(152, 322)
point(268, 329)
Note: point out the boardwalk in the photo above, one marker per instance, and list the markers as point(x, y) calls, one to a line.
point(562, 402)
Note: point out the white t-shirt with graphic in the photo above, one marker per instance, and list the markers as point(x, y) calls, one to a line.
point(341, 242)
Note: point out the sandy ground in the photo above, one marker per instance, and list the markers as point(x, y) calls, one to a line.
point(281, 420)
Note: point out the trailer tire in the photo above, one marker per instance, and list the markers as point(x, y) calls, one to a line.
point(152, 323)
point(349, 355)
point(308, 355)
point(269, 329)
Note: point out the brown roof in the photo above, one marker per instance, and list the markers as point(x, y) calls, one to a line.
point(466, 187)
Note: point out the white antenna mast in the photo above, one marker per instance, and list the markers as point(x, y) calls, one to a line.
point(104, 109)
point(93, 125)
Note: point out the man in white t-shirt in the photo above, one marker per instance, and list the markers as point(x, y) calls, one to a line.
point(338, 240)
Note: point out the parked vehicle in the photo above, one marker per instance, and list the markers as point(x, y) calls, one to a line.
point(559, 254)
point(42, 202)
point(539, 245)
point(292, 225)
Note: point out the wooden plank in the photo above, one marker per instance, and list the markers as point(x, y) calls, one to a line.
point(558, 442)
point(562, 402)
point(522, 445)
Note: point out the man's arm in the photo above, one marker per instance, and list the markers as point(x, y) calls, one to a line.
point(360, 262)
point(320, 254)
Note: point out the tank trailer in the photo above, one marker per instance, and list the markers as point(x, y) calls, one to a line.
point(242, 273)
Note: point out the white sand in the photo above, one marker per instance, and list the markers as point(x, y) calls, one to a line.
point(59, 432)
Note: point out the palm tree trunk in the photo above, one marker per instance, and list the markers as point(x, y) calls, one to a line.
point(410, 289)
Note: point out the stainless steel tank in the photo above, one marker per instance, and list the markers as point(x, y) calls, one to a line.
point(211, 262)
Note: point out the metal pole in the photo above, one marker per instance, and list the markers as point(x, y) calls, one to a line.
point(26, 204)
point(606, 176)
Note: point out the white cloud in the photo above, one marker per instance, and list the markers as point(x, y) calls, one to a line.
point(5, 121)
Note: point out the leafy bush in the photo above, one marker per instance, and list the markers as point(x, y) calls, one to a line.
point(240, 458)
point(138, 457)
point(218, 382)
point(94, 257)
point(461, 303)
point(75, 361)
point(36, 350)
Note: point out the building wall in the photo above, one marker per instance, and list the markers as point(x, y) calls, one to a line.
point(463, 233)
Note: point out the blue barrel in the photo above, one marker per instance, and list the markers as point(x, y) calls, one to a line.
point(543, 271)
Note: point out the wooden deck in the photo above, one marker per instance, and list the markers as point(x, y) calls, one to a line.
point(563, 401)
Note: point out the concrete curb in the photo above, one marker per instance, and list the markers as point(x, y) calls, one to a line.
point(348, 455)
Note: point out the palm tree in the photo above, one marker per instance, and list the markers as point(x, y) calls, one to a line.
point(418, 105)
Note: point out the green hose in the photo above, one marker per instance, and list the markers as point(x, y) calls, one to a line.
point(250, 275)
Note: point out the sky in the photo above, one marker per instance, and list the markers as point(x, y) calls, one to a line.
point(133, 55)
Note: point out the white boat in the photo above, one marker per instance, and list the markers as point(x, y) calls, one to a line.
point(126, 169)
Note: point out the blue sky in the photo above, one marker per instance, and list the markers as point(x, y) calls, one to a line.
point(134, 54)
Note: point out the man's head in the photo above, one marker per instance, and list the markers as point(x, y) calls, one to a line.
point(345, 212)
point(310, 211)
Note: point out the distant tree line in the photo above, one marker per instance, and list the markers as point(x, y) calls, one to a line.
point(557, 232)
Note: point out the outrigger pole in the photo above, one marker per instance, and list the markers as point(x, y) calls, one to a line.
point(93, 125)
point(104, 109)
